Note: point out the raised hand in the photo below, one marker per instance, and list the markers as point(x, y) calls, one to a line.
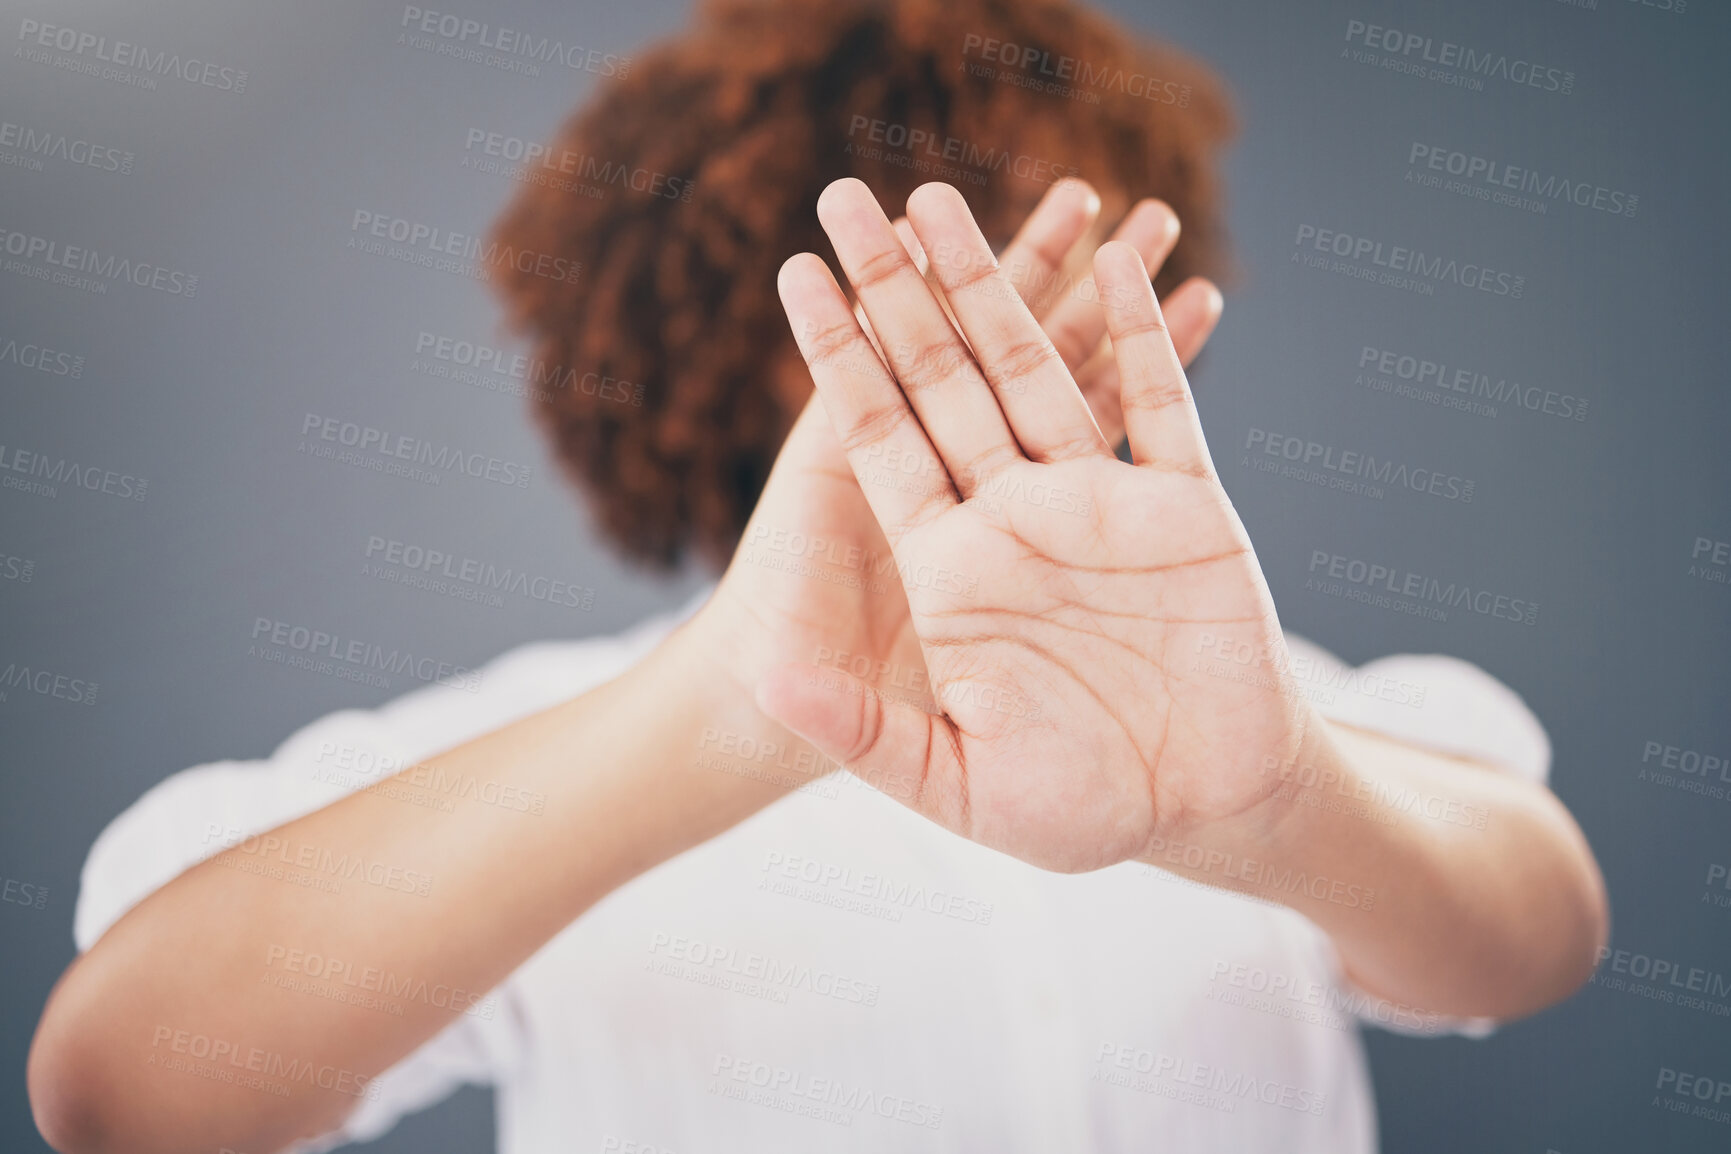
point(814, 574)
point(1061, 598)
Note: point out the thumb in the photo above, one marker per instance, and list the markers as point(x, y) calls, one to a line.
point(889, 745)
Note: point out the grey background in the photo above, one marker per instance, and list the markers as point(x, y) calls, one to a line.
point(155, 600)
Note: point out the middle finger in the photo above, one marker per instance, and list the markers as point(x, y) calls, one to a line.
point(934, 368)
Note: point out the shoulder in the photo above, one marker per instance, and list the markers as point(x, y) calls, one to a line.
point(1428, 699)
point(197, 812)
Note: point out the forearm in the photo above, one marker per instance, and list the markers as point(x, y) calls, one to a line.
point(630, 777)
point(1446, 886)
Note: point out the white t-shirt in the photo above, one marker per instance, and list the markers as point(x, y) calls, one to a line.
point(837, 973)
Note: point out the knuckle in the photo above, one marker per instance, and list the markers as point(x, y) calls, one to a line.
point(880, 267)
point(874, 425)
point(1025, 358)
point(932, 365)
point(828, 345)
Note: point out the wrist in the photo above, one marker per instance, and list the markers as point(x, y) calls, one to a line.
point(722, 655)
point(1274, 849)
point(1301, 792)
point(715, 660)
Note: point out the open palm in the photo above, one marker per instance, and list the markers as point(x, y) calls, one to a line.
point(1064, 601)
point(814, 580)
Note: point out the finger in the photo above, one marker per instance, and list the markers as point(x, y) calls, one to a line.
point(1159, 413)
point(1039, 397)
point(911, 243)
point(1034, 260)
point(1192, 310)
point(1076, 324)
point(931, 363)
point(889, 745)
point(897, 468)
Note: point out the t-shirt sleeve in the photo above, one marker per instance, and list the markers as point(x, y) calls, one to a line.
point(199, 812)
point(1440, 703)
point(1437, 703)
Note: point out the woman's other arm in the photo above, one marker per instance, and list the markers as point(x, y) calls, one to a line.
point(124, 1054)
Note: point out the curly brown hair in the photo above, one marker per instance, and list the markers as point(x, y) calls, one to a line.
point(695, 174)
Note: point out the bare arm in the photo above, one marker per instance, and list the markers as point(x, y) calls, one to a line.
point(177, 985)
point(1094, 611)
point(1447, 886)
point(619, 767)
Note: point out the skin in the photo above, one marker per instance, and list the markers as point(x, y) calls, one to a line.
point(1130, 755)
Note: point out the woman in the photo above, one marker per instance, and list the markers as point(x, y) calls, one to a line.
point(1084, 741)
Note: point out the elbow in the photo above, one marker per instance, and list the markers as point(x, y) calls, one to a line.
point(1592, 926)
point(1581, 920)
point(64, 1101)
